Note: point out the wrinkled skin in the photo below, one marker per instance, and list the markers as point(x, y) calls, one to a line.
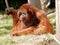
point(30, 20)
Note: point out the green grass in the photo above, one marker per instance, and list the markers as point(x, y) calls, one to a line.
point(5, 24)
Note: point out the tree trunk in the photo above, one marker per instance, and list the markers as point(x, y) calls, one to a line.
point(58, 19)
point(41, 4)
point(35, 3)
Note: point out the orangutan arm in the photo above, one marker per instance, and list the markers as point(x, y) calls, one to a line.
point(44, 26)
point(14, 16)
point(22, 32)
point(13, 13)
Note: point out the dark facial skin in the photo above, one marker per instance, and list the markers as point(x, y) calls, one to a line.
point(24, 16)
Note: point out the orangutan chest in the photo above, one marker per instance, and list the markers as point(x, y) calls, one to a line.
point(29, 24)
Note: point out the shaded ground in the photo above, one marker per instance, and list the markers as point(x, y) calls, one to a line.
point(7, 39)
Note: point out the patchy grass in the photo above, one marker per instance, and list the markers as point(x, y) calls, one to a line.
point(7, 39)
point(5, 24)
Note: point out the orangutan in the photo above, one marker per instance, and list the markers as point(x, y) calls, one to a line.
point(30, 20)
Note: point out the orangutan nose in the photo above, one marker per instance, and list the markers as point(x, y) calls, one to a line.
point(23, 17)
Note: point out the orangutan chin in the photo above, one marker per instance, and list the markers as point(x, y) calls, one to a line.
point(30, 20)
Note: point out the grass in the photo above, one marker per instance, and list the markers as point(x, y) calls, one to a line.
point(7, 39)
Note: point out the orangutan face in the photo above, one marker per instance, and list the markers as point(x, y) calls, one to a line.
point(23, 15)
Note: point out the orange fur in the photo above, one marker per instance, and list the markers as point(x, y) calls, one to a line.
point(42, 27)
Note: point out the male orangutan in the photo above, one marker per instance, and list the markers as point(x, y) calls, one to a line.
point(30, 20)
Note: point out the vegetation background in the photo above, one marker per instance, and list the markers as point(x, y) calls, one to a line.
point(17, 3)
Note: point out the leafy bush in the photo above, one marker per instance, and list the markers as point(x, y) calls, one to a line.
point(13, 3)
point(17, 3)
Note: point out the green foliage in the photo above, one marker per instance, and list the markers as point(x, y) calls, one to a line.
point(12, 3)
point(52, 5)
point(17, 3)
